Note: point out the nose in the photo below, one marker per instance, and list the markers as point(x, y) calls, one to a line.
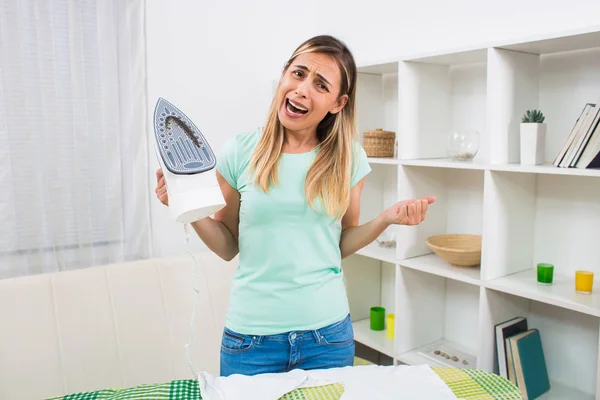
point(302, 90)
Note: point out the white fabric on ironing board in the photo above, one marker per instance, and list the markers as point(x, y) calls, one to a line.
point(370, 382)
point(257, 387)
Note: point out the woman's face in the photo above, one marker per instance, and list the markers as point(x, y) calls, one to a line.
point(310, 88)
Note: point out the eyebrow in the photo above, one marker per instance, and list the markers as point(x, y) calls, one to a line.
point(319, 75)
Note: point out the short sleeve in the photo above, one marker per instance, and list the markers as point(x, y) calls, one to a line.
point(360, 164)
point(228, 163)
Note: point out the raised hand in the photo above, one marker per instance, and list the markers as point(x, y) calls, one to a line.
point(161, 188)
point(408, 212)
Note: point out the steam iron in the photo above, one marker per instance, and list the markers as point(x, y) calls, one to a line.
point(186, 159)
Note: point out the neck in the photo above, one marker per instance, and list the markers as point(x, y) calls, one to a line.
point(299, 141)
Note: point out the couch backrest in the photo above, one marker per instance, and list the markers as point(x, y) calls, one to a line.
point(117, 325)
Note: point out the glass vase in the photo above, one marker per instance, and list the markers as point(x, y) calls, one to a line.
point(463, 145)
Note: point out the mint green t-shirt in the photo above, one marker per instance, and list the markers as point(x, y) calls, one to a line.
point(289, 275)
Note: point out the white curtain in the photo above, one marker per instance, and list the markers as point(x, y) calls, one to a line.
point(74, 181)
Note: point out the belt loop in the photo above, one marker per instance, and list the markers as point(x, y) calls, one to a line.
point(317, 335)
point(258, 339)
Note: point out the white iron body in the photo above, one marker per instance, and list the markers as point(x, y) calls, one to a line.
point(192, 197)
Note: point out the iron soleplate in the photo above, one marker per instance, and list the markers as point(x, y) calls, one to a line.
point(181, 145)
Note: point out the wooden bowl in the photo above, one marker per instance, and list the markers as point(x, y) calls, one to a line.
point(457, 249)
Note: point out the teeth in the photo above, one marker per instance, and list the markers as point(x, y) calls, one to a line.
point(297, 106)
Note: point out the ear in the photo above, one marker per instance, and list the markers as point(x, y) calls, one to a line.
point(341, 102)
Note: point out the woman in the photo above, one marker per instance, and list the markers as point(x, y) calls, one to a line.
point(293, 192)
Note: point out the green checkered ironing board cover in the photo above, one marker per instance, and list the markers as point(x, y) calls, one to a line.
point(466, 384)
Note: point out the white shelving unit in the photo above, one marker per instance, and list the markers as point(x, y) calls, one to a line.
point(526, 214)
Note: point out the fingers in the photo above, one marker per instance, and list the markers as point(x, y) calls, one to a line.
point(424, 207)
point(161, 191)
point(161, 187)
point(162, 195)
point(430, 199)
point(413, 212)
point(418, 210)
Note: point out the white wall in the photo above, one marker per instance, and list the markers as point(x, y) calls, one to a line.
point(386, 28)
point(218, 61)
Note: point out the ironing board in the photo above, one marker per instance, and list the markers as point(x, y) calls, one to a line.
point(466, 384)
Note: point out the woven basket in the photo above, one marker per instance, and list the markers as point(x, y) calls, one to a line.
point(461, 250)
point(379, 143)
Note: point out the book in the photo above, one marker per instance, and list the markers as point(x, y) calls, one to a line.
point(580, 135)
point(503, 331)
point(572, 134)
point(581, 148)
point(589, 158)
point(529, 364)
point(589, 128)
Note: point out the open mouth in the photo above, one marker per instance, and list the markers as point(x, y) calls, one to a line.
point(295, 108)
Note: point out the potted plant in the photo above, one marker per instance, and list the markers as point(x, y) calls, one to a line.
point(533, 137)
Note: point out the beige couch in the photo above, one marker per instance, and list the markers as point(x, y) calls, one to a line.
point(117, 325)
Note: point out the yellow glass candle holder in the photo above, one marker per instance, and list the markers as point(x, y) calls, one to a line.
point(584, 281)
point(390, 325)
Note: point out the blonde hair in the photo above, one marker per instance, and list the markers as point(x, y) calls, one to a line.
point(328, 179)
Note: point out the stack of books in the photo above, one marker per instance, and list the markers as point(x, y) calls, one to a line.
point(521, 357)
point(581, 149)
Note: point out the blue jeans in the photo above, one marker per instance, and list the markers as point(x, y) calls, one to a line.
point(328, 347)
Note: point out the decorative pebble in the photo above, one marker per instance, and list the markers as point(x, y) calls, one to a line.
point(449, 357)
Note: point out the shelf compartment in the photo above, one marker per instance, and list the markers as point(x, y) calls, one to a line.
point(458, 207)
point(533, 218)
point(569, 340)
point(377, 98)
point(559, 84)
point(453, 89)
point(376, 340)
point(433, 264)
point(430, 308)
point(369, 282)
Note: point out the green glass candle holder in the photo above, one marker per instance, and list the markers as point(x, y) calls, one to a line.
point(545, 273)
point(377, 318)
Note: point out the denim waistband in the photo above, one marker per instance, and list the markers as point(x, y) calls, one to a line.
point(300, 335)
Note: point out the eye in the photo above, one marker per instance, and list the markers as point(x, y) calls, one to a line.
point(322, 86)
point(298, 73)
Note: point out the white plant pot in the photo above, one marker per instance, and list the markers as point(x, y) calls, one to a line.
point(533, 143)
